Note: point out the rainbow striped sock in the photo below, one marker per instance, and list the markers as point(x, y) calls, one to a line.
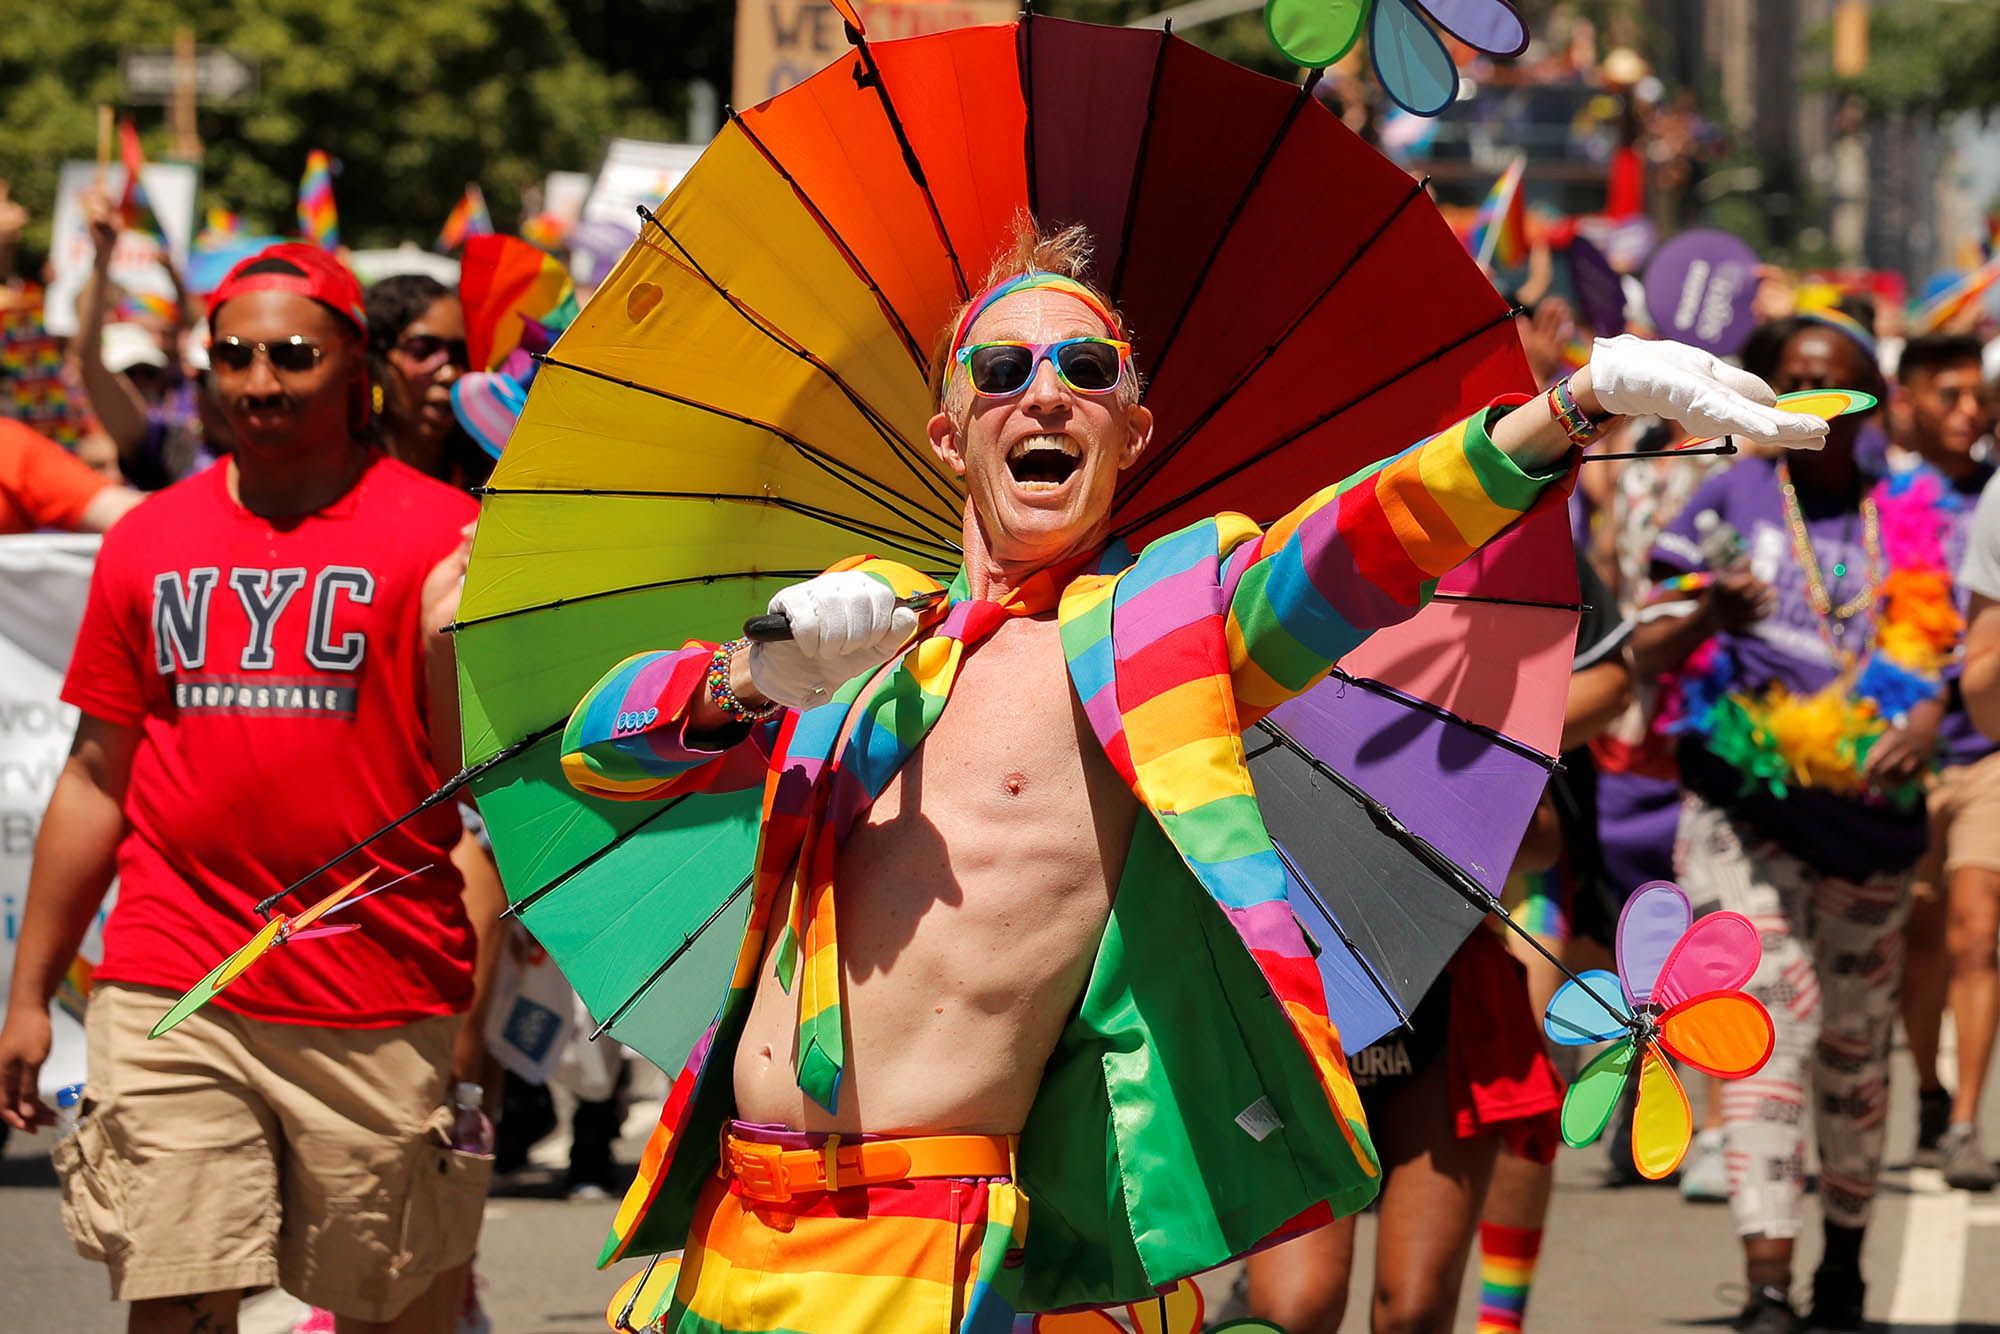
point(1506, 1273)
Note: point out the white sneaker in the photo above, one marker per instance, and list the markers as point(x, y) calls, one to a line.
point(1705, 1174)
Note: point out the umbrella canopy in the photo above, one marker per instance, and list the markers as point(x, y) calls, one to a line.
point(743, 403)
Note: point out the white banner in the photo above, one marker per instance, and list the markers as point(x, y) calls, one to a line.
point(44, 579)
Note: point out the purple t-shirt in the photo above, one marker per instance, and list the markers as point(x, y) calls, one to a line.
point(1840, 835)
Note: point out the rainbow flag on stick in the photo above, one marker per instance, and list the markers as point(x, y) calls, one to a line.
point(319, 221)
point(1500, 232)
point(468, 218)
point(135, 211)
point(1955, 300)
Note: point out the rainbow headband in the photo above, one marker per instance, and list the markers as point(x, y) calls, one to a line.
point(1022, 282)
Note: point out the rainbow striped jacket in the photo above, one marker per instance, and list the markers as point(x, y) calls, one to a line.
point(1199, 1099)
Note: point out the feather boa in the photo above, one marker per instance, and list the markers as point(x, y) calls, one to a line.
point(1777, 739)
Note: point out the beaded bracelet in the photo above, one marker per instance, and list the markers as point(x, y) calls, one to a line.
point(722, 696)
point(1576, 424)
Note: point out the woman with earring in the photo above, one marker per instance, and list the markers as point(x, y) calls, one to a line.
point(416, 342)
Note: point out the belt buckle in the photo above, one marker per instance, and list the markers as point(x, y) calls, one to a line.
point(760, 1169)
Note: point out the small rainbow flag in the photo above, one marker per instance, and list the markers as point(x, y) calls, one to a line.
point(222, 222)
point(1500, 232)
point(1955, 300)
point(468, 218)
point(135, 210)
point(138, 305)
point(319, 221)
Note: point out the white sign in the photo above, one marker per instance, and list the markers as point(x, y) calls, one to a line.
point(43, 583)
point(636, 172)
point(135, 264)
point(152, 74)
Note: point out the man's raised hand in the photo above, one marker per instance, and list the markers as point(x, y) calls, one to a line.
point(1634, 377)
point(843, 624)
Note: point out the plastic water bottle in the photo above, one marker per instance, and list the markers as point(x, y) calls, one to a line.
point(69, 1106)
point(471, 1127)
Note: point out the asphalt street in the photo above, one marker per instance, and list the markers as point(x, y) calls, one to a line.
point(1614, 1259)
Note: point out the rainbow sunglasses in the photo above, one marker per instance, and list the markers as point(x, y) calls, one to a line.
point(1002, 369)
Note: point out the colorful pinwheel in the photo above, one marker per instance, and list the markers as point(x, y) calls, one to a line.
point(280, 930)
point(1678, 989)
point(1412, 61)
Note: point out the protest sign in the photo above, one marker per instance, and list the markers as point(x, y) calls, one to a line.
point(135, 264)
point(1700, 287)
point(783, 42)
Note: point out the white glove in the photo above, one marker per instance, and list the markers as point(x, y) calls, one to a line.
point(1636, 377)
point(843, 624)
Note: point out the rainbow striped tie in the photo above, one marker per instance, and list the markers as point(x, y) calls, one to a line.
point(892, 724)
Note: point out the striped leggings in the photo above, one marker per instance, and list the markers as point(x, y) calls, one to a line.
point(1833, 965)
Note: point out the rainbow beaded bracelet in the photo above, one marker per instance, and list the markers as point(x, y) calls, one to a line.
point(719, 691)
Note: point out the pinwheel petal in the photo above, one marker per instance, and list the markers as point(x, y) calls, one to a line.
point(1725, 1033)
point(1077, 1322)
point(1411, 60)
point(1654, 920)
point(1662, 1123)
point(1178, 1311)
point(1593, 1097)
point(644, 1297)
point(325, 905)
point(1491, 26)
point(1719, 953)
point(252, 951)
point(1577, 1017)
point(321, 932)
point(1315, 33)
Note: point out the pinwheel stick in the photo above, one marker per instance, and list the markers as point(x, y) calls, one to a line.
point(772, 627)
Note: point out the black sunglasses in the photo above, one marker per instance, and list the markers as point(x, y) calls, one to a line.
point(294, 355)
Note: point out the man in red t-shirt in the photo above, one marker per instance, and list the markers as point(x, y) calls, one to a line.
point(251, 673)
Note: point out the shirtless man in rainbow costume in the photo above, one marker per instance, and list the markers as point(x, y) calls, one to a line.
point(1064, 970)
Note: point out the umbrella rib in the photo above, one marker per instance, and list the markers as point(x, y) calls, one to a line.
point(1024, 59)
point(872, 77)
point(1402, 1015)
point(1139, 167)
point(450, 786)
point(1235, 215)
point(902, 448)
point(844, 472)
point(1504, 317)
point(854, 261)
point(1497, 737)
point(556, 604)
point(687, 943)
point(1510, 602)
point(828, 517)
point(1443, 867)
point(530, 899)
point(1150, 466)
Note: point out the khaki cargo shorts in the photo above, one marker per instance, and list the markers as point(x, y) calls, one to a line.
point(233, 1153)
point(1965, 822)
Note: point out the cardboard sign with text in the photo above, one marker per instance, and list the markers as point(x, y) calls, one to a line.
point(783, 42)
point(135, 264)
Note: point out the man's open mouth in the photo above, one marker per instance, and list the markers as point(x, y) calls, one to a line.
point(1044, 461)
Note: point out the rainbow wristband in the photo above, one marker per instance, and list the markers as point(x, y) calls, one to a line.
point(1576, 424)
point(725, 698)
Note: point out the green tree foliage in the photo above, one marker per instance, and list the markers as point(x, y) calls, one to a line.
point(412, 98)
point(1932, 55)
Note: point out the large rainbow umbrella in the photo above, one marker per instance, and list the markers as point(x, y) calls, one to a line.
point(744, 402)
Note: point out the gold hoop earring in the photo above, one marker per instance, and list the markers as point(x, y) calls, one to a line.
point(375, 398)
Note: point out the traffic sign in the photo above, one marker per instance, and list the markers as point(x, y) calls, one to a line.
point(152, 74)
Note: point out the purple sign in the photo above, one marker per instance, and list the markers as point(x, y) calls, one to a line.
point(1626, 243)
point(1699, 290)
point(1600, 293)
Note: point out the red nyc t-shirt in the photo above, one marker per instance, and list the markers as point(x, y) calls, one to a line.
point(275, 672)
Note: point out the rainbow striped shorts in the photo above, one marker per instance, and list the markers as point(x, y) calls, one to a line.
point(939, 1255)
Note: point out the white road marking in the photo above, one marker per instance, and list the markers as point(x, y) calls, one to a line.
point(1930, 1282)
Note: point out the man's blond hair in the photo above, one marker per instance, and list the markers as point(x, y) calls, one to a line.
point(1066, 251)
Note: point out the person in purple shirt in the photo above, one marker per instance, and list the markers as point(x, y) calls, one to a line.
point(1779, 562)
point(1941, 414)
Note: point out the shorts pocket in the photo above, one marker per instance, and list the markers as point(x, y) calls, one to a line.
point(446, 1200)
point(93, 1201)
